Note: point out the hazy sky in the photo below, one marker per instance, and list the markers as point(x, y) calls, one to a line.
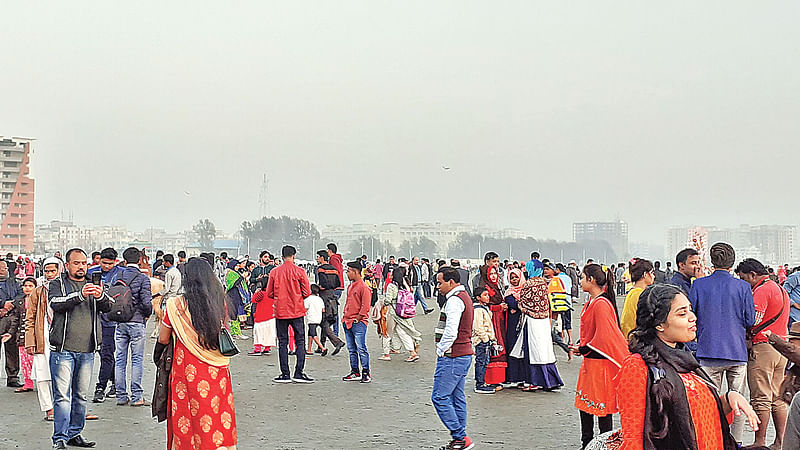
point(548, 113)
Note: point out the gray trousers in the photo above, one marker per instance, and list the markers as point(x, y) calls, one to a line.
point(737, 378)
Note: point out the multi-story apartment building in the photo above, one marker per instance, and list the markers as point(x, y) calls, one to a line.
point(16, 196)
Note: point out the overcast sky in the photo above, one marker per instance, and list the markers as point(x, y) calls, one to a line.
point(547, 113)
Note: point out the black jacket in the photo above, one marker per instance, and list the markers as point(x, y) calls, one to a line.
point(327, 277)
point(412, 277)
point(162, 356)
point(388, 268)
point(62, 300)
point(11, 291)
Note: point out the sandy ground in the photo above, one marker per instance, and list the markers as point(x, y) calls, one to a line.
point(394, 411)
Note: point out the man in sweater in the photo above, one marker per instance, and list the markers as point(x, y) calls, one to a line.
point(355, 319)
point(688, 261)
point(288, 287)
point(454, 352)
point(725, 310)
point(74, 338)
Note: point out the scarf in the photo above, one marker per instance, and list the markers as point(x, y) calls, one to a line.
point(489, 277)
point(515, 290)
point(181, 321)
point(533, 300)
point(680, 434)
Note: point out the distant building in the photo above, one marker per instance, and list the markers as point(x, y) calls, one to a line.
point(770, 244)
point(615, 233)
point(16, 196)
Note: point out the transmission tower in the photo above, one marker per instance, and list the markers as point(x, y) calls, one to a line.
point(263, 198)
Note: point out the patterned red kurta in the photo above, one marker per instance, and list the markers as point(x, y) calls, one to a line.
point(202, 416)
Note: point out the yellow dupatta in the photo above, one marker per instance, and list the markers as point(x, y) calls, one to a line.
point(181, 322)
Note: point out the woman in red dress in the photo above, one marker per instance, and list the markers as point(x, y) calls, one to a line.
point(201, 414)
point(666, 401)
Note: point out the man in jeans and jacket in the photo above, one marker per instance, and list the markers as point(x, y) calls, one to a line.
point(109, 272)
point(328, 281)
point(766, 367)
point(454, 356)
point(74, 337)
point(12, 310)
point(130, 336)
point(725, 310)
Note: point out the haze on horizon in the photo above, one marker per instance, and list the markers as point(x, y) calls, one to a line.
point(546, 113)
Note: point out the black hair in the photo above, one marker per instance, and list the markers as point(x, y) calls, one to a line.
point(288, 251)
point(669, 263)
point(263, 252)
point(653, 308)
point(181, 254)
point(332, 247)
point(639, 268)
point(223, 255)
point(108, 253)
point(450, 274)
point(398, 274)
point(535, 255)
point(377, 261)
point(132, 255)
point(604, 279)
point(205, 299)
point(315, 289)
point(391, 256)
point(363, 256)
point(356, 265)
point(159, 253)
point(751, 265)
point(73, 250)
point(490, 256)
point(478, 291)
point(30, 280)
point(169, 258)
point(95, 254)
point(657, 264)
point(324, 255)
point(722, 255)
point(684, 254)
point(561, 267)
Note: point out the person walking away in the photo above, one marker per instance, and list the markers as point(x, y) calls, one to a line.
point(355, 319)
point(425, 279)
point(403, 332)
point(575, 279)
point(12, 301)
point(482, 339)
point(668, 272)
point(766, 366)
point(314, 309)
point(25, 359)
point(109, 274)
point(74, 337)
point(130, 334)
point(454, 356)
point(725, 310)
point(327, 278)
point(172, 287)
point(287, 288)
point(642, 275)
point(566, 315)
point(534, 267)
point(603, 349)
point(202, 414)
point(414, 280)
point(37, 335)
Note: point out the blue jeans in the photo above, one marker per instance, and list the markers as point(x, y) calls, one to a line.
point(419, 297)
point(356, 338)
point(448, 393)
point(338, 294)
point(129, 334)
point(481, 362)
point(72, 375)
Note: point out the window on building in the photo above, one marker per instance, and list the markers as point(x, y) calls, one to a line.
point(10, 164)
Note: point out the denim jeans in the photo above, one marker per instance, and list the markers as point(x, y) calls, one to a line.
point(419, 297)
point(72, 375)
point(356, 337)
point(129, 335)
point(481, 362)
point(107, 365)
point(448, 393)
point(283, 344)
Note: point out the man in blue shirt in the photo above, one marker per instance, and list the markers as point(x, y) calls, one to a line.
point(792, 286)
point(534, 267)
point(724, 308)
point(688, 261)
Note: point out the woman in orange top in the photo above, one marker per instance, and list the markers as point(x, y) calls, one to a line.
point(666, 401)
point(603, 348)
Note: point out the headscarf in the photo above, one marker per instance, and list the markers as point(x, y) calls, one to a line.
point(51, 260)
point(515, 290)
point(534, 300)
point(233, 263)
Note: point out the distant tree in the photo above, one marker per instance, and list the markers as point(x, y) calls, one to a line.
point(272, 233)
point(206, 232)
point(366, 245)
point(421, 246)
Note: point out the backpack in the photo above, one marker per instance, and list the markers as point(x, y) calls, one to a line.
point(405, 308)
point(122, 307)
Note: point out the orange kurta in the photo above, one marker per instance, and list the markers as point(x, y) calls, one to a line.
point(632, 401)
point(600, 332)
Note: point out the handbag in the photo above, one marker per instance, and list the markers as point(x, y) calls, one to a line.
point(226, 345)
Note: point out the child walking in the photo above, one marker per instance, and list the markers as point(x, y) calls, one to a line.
point(264, 331)
point(315, 306)
point(482, 338)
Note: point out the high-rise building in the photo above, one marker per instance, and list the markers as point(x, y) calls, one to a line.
point(770, 244)
point(16, 196)
point(615, 233)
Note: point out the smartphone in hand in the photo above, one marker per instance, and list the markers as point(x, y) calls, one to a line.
point(97, 278)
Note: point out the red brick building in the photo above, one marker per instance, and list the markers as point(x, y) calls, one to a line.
point(16, 196)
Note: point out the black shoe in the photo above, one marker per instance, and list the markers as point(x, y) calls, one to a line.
point(79, 441)
point(318, 350)
point(428, 311)
point(60, 445)
point(337, 349)
point(112, 392)
point(99, 396)
point(282, 379)
point(324, 352)
point(14, 384)
point(291, 352)
point(302, 378)
point(366, 377)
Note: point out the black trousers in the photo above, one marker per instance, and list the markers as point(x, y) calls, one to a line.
point(327, 332)
point(10, 324)
point(587, 426)
point(107, 364)
point(283, 344)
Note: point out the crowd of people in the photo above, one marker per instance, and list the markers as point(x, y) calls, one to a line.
point(676, 362)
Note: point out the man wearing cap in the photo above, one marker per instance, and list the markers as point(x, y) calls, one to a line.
point(109, 273)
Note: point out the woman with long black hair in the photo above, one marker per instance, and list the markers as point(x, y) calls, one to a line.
point(665, 399)
point(202, 413)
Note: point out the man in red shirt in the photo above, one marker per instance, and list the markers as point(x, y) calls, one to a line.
point(287, 287)
point(355, 319)
point(765, 368)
